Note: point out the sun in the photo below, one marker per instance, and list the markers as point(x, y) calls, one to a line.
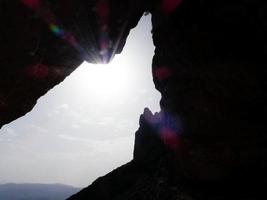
point(105, 80)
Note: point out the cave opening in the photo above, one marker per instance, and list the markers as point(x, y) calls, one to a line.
point(84, 127)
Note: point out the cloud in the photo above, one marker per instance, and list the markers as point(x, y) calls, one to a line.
point(36, 129)
point(105, 121)
point(7, 134)
point(72, 138)
point(75, 126)
point(64, 106)
point(86, 121)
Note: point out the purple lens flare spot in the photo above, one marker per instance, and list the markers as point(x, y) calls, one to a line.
point(168, 6)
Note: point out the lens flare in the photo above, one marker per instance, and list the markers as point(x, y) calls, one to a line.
point(168, 128)
point(162, 73)
point(33, 4)
point(51, 20)
point(38, 71)
point(103, 12)
point(102, 8)
point(168, 6)
point(56, 30)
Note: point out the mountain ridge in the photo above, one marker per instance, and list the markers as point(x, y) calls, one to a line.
point(36, 191)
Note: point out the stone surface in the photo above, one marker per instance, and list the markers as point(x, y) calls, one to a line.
point(158, 172)
point(209, 66)
point(42, 42)
point(208, 141)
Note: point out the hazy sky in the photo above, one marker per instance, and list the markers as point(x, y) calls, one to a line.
point(84, 127)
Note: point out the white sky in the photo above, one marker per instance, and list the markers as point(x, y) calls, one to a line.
point(84, 127)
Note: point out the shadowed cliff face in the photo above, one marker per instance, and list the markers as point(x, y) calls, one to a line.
point(160, 169)
point(42, 42)
point(209, 65)
point(208, 141)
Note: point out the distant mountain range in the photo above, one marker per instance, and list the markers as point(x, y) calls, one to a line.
point(32, 191)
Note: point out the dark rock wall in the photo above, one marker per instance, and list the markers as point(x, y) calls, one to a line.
point(151, 175)
point(210, 68)
point(43, 41)
point(158, 172)
point(32, 58)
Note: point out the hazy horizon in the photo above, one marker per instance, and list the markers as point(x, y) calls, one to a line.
point(84, 127)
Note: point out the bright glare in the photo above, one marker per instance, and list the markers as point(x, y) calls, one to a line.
point(105, 80)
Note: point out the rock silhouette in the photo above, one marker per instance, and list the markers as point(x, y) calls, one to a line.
point(208, 141)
